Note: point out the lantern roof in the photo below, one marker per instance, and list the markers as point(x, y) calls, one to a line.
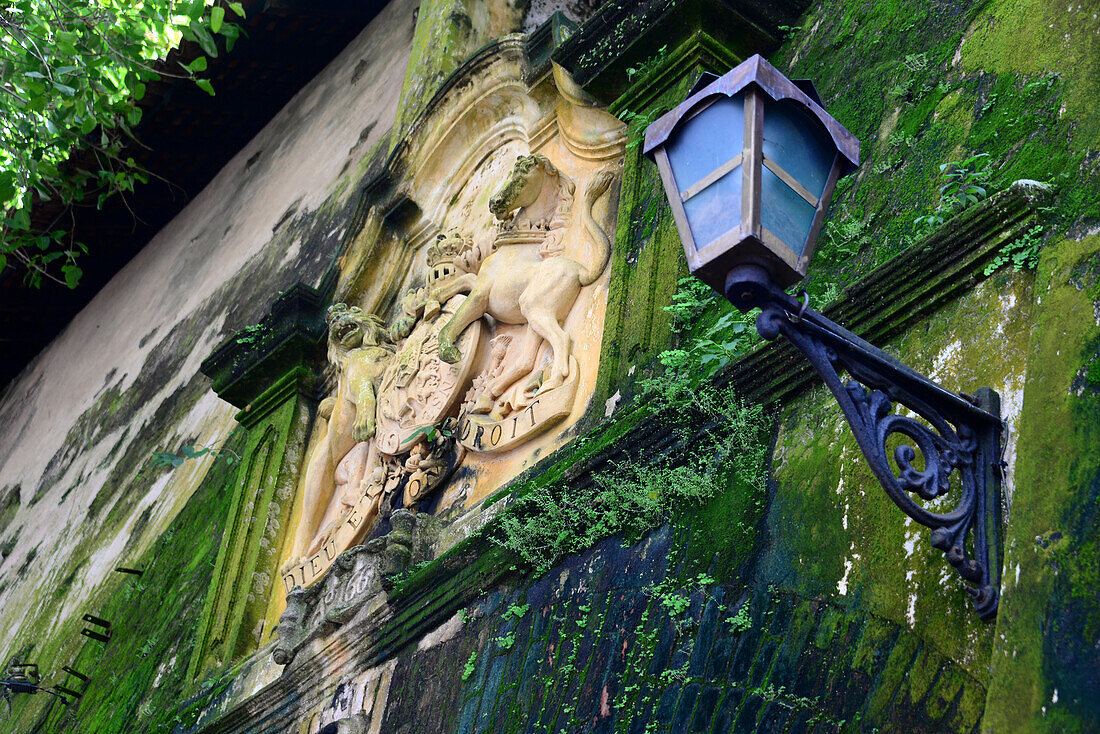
point(756, 70)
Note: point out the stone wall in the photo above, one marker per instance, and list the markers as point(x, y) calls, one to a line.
point(803, 602)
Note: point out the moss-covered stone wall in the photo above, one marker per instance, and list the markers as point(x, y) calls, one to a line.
point(811, 604)
point(923, 84)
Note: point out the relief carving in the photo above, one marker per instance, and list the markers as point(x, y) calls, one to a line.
point(359, 350)
point(414, 400)
point(526, 280)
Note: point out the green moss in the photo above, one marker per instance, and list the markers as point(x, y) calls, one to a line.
point(442, 39)
point(9, 505)
point(891, 675)
point(138, 678)
point(722, 533)
point(1036, 37)
point(890, 72)
point(1047, 614)
point(922, 674)
point(947, 688)
point(877, 634)
point(647, 261)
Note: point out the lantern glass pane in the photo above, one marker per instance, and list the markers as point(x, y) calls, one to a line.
point(799, 144)
point(716, 209)
point(707, 140)
point(784, 212)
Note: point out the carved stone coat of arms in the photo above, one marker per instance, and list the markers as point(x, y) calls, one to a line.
point(477, 363)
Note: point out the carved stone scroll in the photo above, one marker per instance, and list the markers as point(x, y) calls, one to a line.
point(489, 435)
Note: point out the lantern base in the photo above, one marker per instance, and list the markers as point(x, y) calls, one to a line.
point(748, 286)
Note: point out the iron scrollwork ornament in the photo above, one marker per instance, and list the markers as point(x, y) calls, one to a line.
point(960, 437)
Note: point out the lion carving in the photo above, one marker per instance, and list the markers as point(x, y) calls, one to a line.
point(358, 348)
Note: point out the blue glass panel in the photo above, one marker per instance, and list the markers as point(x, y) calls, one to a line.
point(707, 140)
point(716, 209)
point(799, 144)
point(782, 211)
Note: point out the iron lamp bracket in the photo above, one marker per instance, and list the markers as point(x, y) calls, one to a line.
point(958, 437)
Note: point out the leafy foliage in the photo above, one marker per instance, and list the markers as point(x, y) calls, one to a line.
point(72, 74)
point(731, 335)
point(842, 237)
point(643, 69)
point(965, 183)
point(470, 667)
point(224, 454)
point(551, 521)
point(740, 621)
point(1022, 252)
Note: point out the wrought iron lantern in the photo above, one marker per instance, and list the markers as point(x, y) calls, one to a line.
point(749, 163)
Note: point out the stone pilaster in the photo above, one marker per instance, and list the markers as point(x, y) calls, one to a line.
point(270, 371)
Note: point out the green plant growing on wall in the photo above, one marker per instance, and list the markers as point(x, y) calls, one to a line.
point(965, 183)
point(470, 667)
point(643, 69)
point(707, 350)
point(1022, 253)
point(741, 621)
point(506, 642)
point(841, 238)
point(516, 611)
point(549, 521)
point(223, 454)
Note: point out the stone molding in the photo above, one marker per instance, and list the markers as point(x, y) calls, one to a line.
point(624, 35)
point(291, 335)
point(891, 299)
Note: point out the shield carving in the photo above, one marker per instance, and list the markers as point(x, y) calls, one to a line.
point(418, 389)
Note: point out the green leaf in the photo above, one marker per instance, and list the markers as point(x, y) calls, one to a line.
point(237, 8)
point(203, 38)
point(3, 261)
point(196, 65)
point(230, 33)
point(205, 85)
point(7, 187)
point(72, 274)
point(217, 17)
point(21, 220)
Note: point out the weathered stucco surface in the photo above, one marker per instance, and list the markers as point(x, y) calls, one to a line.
point(82, 421)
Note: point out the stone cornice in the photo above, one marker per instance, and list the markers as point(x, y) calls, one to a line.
point(628, 33)
point(289, 336)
